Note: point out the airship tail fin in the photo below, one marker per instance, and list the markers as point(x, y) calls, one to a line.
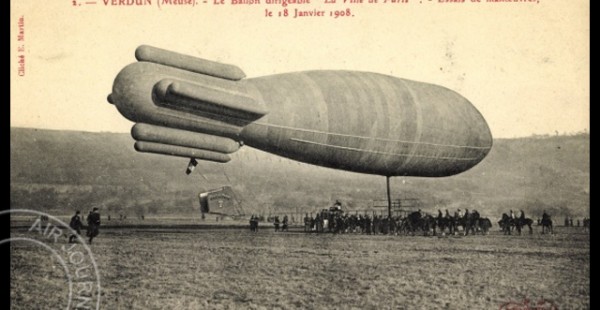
point(188, 63)
point(185, 106)
point(182, 143)
point(180, 151)
point(208, 101)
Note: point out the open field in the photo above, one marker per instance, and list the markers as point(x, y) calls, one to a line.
point(154, 268)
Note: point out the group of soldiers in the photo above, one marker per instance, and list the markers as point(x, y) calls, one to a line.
point(334, 220)
point(93, 225)
point(569, 222)
point(284, 223)
point(337, 222)
point(280, 225)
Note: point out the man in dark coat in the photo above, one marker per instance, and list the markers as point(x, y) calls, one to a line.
point(276, 223)
point(284, 227)
point(93, 224)
point(75, 224)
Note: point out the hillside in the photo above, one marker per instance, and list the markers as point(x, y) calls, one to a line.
point(63, 170)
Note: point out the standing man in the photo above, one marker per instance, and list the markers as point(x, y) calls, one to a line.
point(306, 223)
point(254, 223)
point(284, 227)
point(75, 224)
point(83, 218)
point(93, 224)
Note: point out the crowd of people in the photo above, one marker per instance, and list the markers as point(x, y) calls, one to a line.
point(337, 222)
point(334, 220)
point(569, 222)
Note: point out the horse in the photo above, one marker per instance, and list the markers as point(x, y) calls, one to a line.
point(471, 222)
point(428, 223)
point(446, 222)
point(460, 221)
point(415, 221)
point(412, 222)
point(505, 224)
point(521, 222)
point(547, 225)
point(483, 225)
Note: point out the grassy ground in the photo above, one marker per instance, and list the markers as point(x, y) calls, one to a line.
point(233, 268)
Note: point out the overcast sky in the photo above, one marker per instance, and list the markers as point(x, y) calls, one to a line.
point(524, 66)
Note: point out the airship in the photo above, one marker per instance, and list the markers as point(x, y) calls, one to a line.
point(362, 122)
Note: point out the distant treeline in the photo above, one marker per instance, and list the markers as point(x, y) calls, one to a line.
point(67, 170)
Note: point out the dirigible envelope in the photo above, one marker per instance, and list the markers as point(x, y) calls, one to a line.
point(356, 121)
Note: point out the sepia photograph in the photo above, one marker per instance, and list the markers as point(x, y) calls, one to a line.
point(299, 154)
